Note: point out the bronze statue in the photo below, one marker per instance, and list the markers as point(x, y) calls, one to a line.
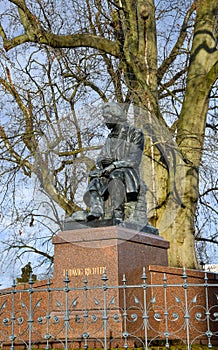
point(115, 191)
point(117, 173)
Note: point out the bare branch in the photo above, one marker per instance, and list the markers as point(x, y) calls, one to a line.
point(175, 50)
point(208, 240)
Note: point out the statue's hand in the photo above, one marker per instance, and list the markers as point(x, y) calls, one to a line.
point(102, 172)
point(95, 173)
point(106, 162)
point(106, 172)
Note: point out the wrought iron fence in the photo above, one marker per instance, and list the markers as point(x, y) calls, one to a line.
point(43, 315)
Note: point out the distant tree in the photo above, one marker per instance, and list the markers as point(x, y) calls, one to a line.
point(26, 274)
point(160, 57)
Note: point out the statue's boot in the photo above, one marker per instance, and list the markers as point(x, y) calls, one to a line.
point(118, 216)
point(130, 210)
point(96, 206)
point(116, 190)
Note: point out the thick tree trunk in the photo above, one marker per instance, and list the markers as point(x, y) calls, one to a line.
point(171, 198)
point(175, 219)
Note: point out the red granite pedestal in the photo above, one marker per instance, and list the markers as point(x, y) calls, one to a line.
point(117, 253)
point(89, 252)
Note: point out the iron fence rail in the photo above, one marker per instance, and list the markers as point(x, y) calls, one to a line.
point(108, 316)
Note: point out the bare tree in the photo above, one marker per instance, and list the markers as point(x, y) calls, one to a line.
point(46, 151)
point(159, 56)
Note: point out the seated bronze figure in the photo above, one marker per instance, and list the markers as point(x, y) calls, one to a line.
point(116, 193)
point(117, 173)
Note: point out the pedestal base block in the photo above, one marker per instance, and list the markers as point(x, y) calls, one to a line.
point(112, 252)
point(90, 251)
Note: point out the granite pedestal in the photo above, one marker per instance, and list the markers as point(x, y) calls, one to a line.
point(90, 251)
point(86, 254)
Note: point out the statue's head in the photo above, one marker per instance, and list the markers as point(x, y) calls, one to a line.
point(113, 113)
